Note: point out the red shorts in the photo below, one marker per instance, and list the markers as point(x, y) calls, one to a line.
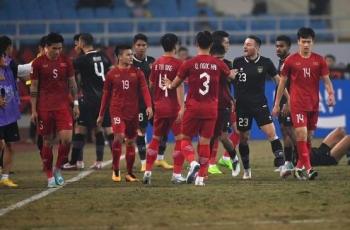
point(162, 126)
point(192, 126)
point(305, 119)
point(125, 127)
point(50, 122)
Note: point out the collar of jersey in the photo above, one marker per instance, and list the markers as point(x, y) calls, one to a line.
point(139, 60)
point(255, 61)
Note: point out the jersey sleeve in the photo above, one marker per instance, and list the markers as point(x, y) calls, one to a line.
point(271, 69)
point(324, 67)
point(107, 92)
point(144, 88)
point(286, 68)
point(35, 70)
point(225, 70)
point(70, 69)
point(182, 73)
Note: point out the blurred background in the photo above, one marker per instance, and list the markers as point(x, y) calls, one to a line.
point(116, 21)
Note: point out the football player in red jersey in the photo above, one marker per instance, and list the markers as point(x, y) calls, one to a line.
point(203, 73)
point(304, 69)
point(52, 78)
point(122, 88)
point(168, 108)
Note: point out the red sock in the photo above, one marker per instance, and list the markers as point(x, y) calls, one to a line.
point(152, 152)
point(130, 157)
point(116, 153)
point(178, 157)
point(303, 155)
point(187, 150)
point(214, 152)
point(204, 154)
point(63, 151)
point(47, 158)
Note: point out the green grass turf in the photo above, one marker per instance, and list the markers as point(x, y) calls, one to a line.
point(265, 202)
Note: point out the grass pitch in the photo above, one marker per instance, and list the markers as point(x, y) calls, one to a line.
point(95, 202)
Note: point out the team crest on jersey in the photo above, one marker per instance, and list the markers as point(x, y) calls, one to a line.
point(315, 63)
point(45, 65)
point(133, 75)
point(297, 63)
point(63, 64)
point(260, 69)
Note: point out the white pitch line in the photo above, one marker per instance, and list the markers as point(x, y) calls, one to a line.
point(42, 194)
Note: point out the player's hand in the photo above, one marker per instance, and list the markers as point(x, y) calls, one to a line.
point(275, 110)
point(233, 73)
point(34, 117)
point(99, 121)
point(285, 110)
point(167, 83)
point(180, 115)
point(331, 100)
point(149, 112)
point(2, 102)
point(76, 112)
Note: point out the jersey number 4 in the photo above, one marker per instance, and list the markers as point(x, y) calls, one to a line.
point(100, 71)
point(162, 85)
point(205, 83)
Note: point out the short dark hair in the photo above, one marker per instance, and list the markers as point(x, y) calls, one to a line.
point(5, 42)
point(306, 32)
point(87, 38)
point(42, 41)
point(284, 38)
point(140, 36)
point(256, 39)
point(204, 39)
point(53, 38)
point(120, 48)
point(219, 35)
point(169, 41)
point(217, 49)
point(76, 37)
point(331, 56)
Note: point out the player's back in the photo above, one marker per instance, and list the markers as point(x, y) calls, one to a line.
point(203, 73)
point(165, 100)
point(92, 67)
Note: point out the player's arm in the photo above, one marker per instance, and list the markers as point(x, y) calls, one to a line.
point(34, 92)
point(106, 95)
point(280, 89)
point(146, 95)
point(180, 98)
point(330, 91)
point(276, 79)
point(74, 92)
point(173, 84)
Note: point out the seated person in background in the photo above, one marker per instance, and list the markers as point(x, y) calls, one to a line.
point(332, 148)
point(336, 71)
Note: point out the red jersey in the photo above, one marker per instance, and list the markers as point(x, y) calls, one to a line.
point(304, 75)
point(123, 88)
point(52, 76)
point(203, 73)
point(165, 100)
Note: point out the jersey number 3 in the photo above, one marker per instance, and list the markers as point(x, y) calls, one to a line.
point(205, 83)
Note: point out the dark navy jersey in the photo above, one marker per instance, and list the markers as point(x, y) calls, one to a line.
point(92, 68)
point(249, 84)
point(145, 65)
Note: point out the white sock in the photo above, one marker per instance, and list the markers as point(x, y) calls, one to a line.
point(199, 179)
point(149, 173)
point(51, 180)
point(160, 157)
point(143, 161)
point(211, 165)
point(226, 158)
point(4, 176)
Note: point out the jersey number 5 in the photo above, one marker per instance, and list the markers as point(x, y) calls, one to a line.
point(205, 83)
